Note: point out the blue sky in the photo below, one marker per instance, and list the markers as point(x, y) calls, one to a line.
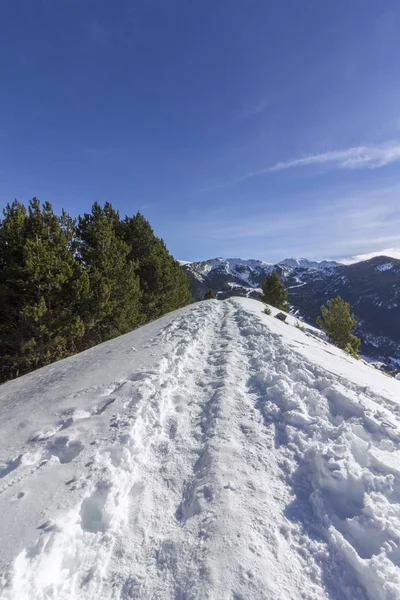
point(251, 128)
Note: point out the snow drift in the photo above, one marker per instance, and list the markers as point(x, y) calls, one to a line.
point(216, 453)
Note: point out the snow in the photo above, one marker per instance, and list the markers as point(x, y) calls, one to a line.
point(291, 287)
point(236, 267)
point(230, 266)
point(385, 267)
point(304, 263)
point(233, 284)
point(244, 268)
point(216, 453)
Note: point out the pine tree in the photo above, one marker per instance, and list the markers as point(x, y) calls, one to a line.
point(39, 277)
point(53, 277)
point(12, 287)
point(209, 295)
point(66, 286)
point(112, 306)
point(338, 323)
point(164, 284)
point(274, 292)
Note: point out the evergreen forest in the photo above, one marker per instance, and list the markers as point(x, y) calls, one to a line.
point(68, 284)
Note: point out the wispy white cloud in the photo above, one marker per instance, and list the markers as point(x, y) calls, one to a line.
point(390, 252)
point(357, 157)
point(347, 222)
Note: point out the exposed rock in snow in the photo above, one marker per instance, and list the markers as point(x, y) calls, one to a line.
point(215, 453)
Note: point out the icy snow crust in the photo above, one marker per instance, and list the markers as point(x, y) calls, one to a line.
point(216, 453)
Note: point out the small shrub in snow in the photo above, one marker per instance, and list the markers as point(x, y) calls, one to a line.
point(267, 310)
point(209, 295)
point(281, 316)
point(349, 348)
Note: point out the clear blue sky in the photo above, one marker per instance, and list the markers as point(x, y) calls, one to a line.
point(252, 128)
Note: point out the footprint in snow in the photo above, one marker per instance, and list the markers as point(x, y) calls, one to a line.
point(65, 449)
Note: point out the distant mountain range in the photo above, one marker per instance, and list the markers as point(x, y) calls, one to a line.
point(372, 287)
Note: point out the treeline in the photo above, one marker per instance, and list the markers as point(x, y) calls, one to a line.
point(67, 284)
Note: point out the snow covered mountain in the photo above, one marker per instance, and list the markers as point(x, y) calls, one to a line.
point(249, 272)
point(372, 287)
point(226, 275)
point(216, 453)
point(303, 263)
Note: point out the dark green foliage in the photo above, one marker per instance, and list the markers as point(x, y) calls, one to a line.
point(267, 310)
point(67, 285)
point(352, 347)
point(209, 295)
point(12, 236)
point(112, 305)
point(39, 281)
point(165, 285)
point(281, 316)
point(338, 322)
point(274, 292)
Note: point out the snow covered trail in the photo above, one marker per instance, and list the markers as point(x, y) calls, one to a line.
point(328, 432)
point(216, 453)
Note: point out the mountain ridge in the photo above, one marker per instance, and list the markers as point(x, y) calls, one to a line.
point(291, 262)
point(372, 287)
point(215, 452)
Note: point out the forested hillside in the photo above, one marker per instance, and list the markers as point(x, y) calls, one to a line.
point(67, 284)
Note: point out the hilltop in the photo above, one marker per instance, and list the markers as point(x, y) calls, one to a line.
point(213, 453)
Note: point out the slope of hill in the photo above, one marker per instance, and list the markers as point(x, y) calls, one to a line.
point(214, 453)
point(372, 287)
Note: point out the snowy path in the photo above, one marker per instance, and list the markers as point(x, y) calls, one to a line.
point(226, 455)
